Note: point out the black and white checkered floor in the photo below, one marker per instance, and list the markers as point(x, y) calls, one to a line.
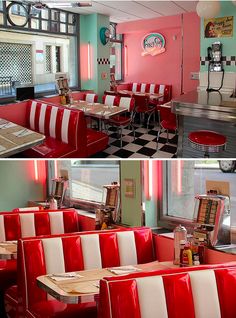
point(144, 145)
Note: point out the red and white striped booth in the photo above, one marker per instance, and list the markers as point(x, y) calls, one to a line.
point(65, 129)
point(202, 292)
point(16, 225)
point(86, 250)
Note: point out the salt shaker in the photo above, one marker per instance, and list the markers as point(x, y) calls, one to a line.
point(180, 233)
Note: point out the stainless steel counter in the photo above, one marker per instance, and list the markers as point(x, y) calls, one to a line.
point(199, 110)
point(211, 105)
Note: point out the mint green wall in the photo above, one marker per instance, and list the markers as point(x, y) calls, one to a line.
point(229, 44)
point(17, 184)
point(131, 207)
point(90, 26)
point(151, 213)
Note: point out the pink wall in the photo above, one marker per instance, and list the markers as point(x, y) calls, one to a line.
point(166, 67)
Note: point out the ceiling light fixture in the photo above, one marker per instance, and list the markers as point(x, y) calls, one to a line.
point(59, 4)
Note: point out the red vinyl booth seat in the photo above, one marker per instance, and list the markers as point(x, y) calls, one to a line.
point(201, 292)
point(15, 225)
point(65, 129)
point(87, 250)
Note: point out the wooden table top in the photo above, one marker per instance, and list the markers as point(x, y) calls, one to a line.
point(15, 138)
point(86, 288)
point(8, 250)
point(97, 110)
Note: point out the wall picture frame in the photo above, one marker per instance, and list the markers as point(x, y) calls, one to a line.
point(129, 188)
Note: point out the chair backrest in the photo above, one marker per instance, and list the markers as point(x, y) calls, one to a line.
point(90, 250)
point(141, 102)
point(166, 114)
point(167, 91)
point(206, 292)
point(127, 102)
point(16, 225)
point(109, 100)
point(54, 121)
point(91, 98)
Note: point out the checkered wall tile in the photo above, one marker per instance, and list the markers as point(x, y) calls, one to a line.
point(103, 61)
point(16, 61)
point(227, 60)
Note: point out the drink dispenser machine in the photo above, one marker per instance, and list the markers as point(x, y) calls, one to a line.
point(212, 218)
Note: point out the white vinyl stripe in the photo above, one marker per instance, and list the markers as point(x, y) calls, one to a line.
point(125, 102)
point(152, 89)
point(42, 118)
point(127, 248)
point(32, 114)
point(134, 87)
point(27, 224)
point(90, 98)
point(56, 222)
point(143, 88)
point(151, 295)
point(2, 229)
point(32, 208)
point(161, 89)
point(109, 100)
point(65, 125)
point(205, 294)
point(52, 124)
point(91, 251)
point(54, 256)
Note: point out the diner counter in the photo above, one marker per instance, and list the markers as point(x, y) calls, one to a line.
point(211, 105)
point(215, 111)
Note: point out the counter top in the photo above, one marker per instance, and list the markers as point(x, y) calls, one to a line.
point(211, 105)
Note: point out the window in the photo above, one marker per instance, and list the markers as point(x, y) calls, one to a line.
point(183, 180)
point(58, 59)
point(89, 177)
point(48, 67)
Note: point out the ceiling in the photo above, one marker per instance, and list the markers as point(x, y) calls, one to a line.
point(124, 11)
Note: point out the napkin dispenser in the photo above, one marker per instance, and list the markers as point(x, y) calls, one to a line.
point(212, 219)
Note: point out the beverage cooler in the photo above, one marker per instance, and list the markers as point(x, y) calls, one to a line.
point(212, 219)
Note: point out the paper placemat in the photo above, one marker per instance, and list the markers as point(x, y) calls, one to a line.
point(24, 139)
point(124, 270)
point(89, 287)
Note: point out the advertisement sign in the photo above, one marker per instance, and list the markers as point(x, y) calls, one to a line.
point(219, 27)
point(153, 44)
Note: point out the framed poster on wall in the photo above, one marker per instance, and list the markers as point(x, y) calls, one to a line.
point(219, 27)
point(129, 188)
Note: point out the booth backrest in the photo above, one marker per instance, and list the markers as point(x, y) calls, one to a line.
point(53, 121)
point(32, 208)
point(192, 293)
point(90, 250)
point(16, 225)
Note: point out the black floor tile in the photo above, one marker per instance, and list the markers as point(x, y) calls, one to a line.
point(168, 148)
point(146, 151)
point(140, 142)
point(122, 153)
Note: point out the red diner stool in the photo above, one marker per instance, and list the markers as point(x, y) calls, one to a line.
point(207, 141)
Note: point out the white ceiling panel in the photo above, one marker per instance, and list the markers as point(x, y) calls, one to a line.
point(122, 10)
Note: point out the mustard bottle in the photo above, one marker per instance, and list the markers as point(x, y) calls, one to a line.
point(187, 259)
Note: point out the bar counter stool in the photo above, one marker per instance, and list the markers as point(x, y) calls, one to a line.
point(207, 141)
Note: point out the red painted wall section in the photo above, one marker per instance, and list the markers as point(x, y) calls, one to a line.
point(166, 67)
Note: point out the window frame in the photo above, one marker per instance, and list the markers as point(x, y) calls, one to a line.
point(88, 205)
point(163, 220)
